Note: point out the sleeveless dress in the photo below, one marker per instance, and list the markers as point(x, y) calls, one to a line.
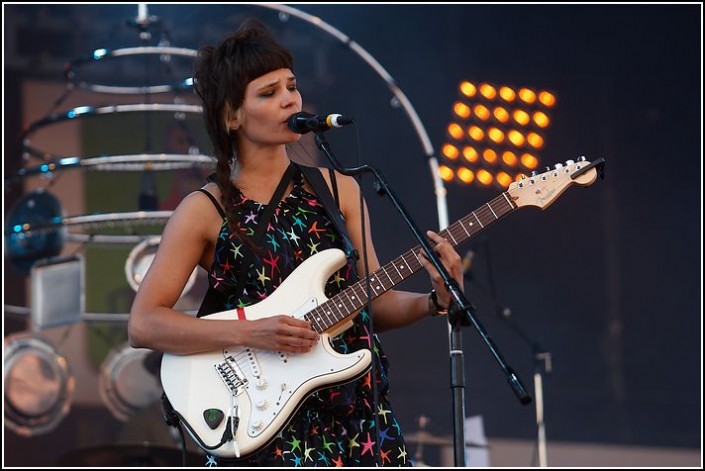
point(335, 426)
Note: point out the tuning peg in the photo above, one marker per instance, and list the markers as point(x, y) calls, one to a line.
point(558, 165)
point(569, 162)
point(582, 158)
point(534, 173)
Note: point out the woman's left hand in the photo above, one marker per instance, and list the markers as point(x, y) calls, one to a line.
point(452, 262)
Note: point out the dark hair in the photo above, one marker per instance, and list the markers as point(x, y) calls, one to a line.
point(221, 76)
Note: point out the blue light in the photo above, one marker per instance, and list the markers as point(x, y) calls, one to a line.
point(99, 53)
point(69, 161)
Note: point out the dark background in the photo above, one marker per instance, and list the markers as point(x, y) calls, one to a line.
point(607, 279)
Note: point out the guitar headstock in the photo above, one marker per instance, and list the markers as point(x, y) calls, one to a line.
point(544, 188)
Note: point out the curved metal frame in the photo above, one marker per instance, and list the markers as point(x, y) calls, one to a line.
point(125, 163)
point(90, 111)
point(128, 219)
point(106, 54)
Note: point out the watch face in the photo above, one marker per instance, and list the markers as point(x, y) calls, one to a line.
point(38, 385)
point(33, 230)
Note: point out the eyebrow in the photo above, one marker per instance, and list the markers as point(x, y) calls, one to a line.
point(291, 78)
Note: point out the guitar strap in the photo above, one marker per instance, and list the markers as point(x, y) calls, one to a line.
point(332, 206)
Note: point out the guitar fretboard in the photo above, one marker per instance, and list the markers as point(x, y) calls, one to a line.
point(354, 298)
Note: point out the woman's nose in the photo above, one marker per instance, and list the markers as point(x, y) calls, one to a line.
point(288, 99)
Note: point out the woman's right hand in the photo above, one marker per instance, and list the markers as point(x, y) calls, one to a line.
point(281, 333)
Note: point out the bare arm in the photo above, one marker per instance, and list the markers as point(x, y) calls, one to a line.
point(396, 308)
point(189, 239)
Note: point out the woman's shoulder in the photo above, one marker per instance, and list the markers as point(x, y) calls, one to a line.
point(198, 201)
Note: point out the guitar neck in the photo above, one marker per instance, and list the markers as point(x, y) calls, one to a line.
point(355, 297)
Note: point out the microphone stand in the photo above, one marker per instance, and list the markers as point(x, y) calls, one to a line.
point(542, 359)
point(462, 314)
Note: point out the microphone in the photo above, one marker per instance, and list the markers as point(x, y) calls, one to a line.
point(303, 122)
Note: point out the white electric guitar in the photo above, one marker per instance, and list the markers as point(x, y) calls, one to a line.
point(236, 400)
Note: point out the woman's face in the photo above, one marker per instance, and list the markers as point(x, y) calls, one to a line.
point(269, 101)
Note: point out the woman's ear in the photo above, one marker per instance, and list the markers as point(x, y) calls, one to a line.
point(232, 118)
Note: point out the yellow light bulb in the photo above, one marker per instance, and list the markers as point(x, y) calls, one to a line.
point(482, 112)
point(509, 158)
point(529, 161)
point(451, 151)
point(527, 96)
point(495, 135)
point(455, 131)
point(521, 117)
point(488, 91)
point(534, 140)
point(516, 138)
point(547, 99)
point(484, 177)
point(489, 155)
point(461, 109)
point(476, 133)
point(507, 94)
point(501, 114)
point(468, 89)
point(470, 154)
point(541, 119)
point(465, 175)
point(445, 172)
point(503, 179)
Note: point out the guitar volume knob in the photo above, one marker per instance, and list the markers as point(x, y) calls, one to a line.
point(261, 383)
point(261, 405)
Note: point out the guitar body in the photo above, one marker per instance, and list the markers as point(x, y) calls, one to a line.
point(263, 388)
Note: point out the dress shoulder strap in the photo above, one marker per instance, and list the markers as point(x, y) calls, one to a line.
point(214, 201)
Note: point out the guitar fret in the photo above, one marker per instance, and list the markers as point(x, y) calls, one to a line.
point(350, 306)
point(321, 318)
point(329, 314)
point(315, 320)
point(495, 215)
point(460, 223)
point(407, 265)
point(390, 278)
point(478, 220)
point(451, 236)
point(397, 269)
point(361, 293)
point(372, 285)
point(511, 205)
point(337, 304)
point(355, 301)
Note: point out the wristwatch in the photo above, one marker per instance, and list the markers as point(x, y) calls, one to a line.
point(433, 307)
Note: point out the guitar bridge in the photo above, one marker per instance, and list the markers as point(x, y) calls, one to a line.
point(232, 376)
